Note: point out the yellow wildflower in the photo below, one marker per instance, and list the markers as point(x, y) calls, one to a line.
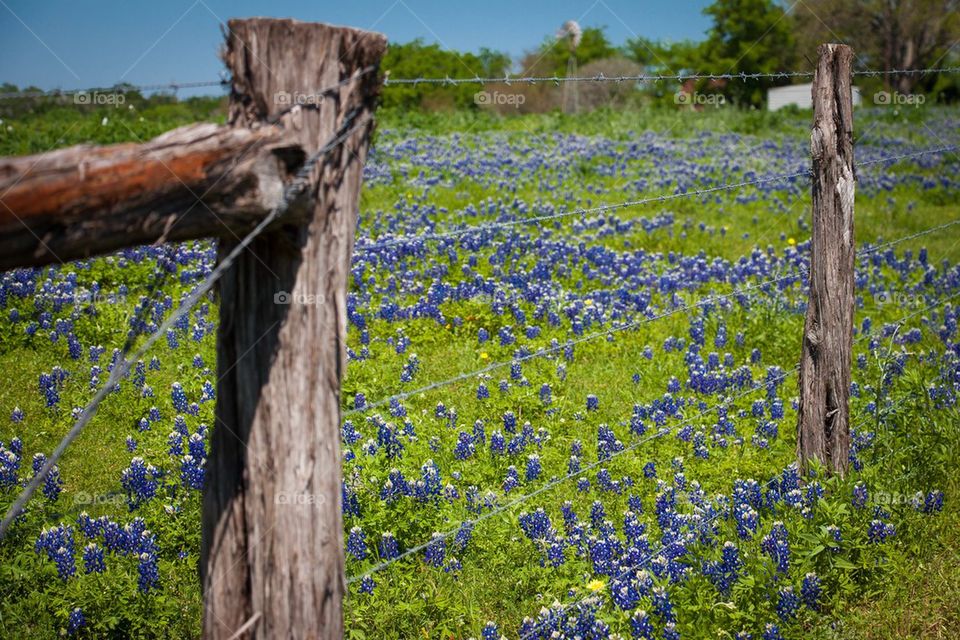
point(596, 585)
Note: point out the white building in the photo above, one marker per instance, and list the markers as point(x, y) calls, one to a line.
point(799, 95)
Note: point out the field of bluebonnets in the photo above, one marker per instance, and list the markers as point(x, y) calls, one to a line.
point(624, 464)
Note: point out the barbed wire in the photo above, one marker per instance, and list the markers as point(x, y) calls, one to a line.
point(659, 77)
point(122, 367)
point(506, 79)
point(495, 226)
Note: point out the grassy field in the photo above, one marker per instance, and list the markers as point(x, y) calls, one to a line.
point(615, 282)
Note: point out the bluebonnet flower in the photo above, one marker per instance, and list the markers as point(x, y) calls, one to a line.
point(490, 632)
point(192, 472)
point(772, 632)
point(148, 574)
point(776, 545)
point(349, 433)
point(93, 559)
point(208, 392)
point(512, 481)
point(641, 627)
point(497, 443)
point(465, 447)
point(436, 550)
point(388, 438)
point(16, 416)
point(482, 391)
point(879, 531)
point(367, 585)
point(545, 394)
point(9, 464)
point(463, 536)
point(860, 495)
point(593, 404)
point(389, 547)
point(131, 444)
point(175, 443)
point(139, 481)
point(479, 434)
point(533, 467)
point(178, 397)
point(76, 621)
point(933, 502)
point(58, 545)
point(724, 574)
point(787, 603)
point(357, 543)
point(810, 591)
point(52, 483)
point(660, 601)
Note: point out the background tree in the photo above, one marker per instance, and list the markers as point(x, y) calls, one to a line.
point(747, 36)
point(885, 34)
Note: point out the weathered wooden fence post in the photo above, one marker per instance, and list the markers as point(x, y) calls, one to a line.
point(272, 554)
point(825, 364)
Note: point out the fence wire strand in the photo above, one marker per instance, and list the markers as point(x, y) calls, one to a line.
point(507, 79)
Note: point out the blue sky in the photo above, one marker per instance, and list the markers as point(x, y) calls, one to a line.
point(71, 44)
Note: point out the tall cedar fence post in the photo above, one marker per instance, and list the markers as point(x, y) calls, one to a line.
point(272, 560)
point(825, 365)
